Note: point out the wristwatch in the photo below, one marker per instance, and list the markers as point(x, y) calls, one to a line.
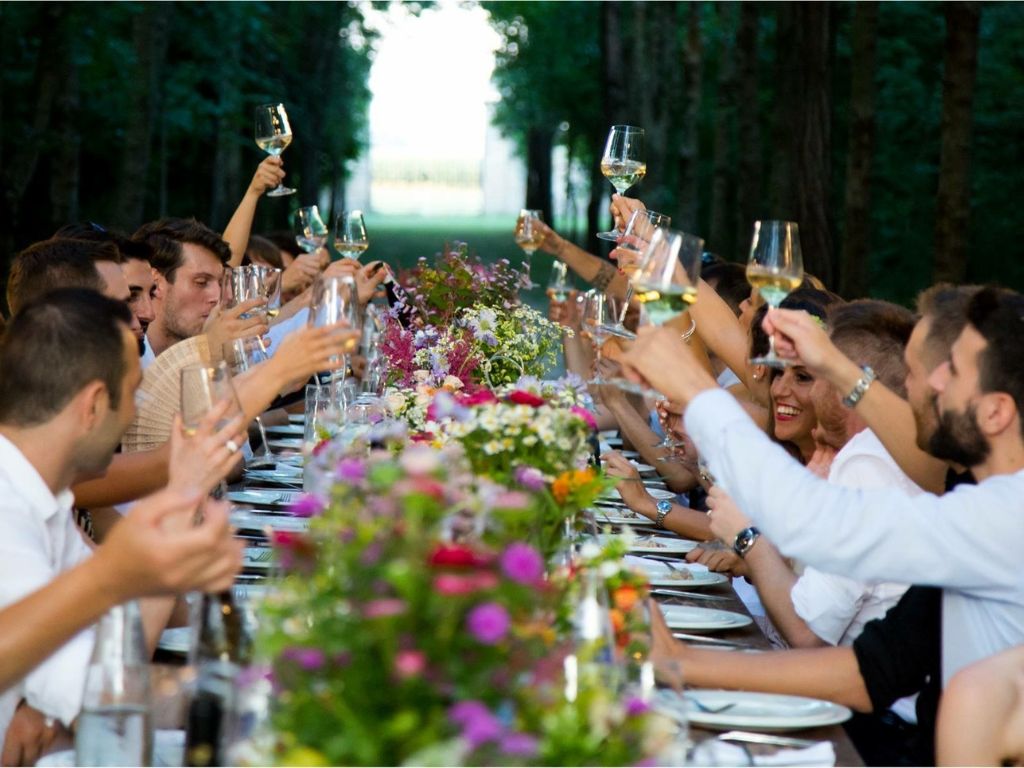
point(860, 388)
point(664, 507)
point(745, 540)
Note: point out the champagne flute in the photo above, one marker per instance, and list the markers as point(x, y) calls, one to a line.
point(558, 285)
point(775, 268)
point(310, 230)
point(273, 135)
point(623, 163)
point(529, 237)
point(350, 238)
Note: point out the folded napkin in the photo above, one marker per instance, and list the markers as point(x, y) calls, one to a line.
point(715, 752)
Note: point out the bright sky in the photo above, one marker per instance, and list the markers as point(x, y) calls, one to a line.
point(431, 82)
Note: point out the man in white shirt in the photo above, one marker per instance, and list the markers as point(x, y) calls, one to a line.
point(965, 541)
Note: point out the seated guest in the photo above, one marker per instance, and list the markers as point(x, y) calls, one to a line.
point(964, 541)
point(51, 264)
point(981, 717)
point(52, 430)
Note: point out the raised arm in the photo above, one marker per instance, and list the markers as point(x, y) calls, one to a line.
point(269, 173)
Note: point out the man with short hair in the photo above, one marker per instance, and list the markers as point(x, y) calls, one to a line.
point(50, 264)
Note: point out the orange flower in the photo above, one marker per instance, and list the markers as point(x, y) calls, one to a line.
point(561, 488)
point(618, 620)
point(582, 477)
point(625, 598)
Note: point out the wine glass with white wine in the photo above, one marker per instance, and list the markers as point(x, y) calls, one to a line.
point(775, 269)
point(273, 135)
point(623, 163)
point(529, 236)
point(310, 230)
point(634, 241)
point(350, 238)
point(558, 284)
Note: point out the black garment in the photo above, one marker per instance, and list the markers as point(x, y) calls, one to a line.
point(900, 655)
point(954, 478)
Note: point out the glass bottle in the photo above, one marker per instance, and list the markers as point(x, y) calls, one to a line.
point(223, 648)
point(114, 727)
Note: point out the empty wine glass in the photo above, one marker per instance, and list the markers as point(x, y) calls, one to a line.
point(350, 238)
point(623, 163)
point(593, 323)
point(775, 268)
point(310, 230)
point(202, 387)
point(335, 301)
point(273, 135)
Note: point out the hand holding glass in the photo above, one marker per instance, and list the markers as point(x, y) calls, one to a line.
point(623, 163)
point(775, 268)
point(350, 238)
point(310, 230)
point(273, 135)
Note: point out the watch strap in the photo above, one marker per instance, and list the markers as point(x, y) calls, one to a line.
point(745, 540)
point(664, 507)
point(861, 387)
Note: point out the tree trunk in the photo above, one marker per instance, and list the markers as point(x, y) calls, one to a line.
point(539, 143)
point(64, 162)
point(952, 203)
point(720, 231)
point(814, 153)
point(614, 62)
point(749, 185)
point(786, 107)
point(857, 228)
point(688, 147)
point(224, 182)
point(150, 29)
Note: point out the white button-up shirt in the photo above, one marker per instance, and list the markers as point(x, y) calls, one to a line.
point(39, 540)
point(967, 541)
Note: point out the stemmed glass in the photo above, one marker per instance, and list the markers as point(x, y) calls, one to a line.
point(623, 163)
point(350, 238)
point(775, 268)
point(202, 387)
point(592, 324)
point(310, 230)
point(558, 284)
point(273, 135)
point(635, 238)
point(528, 236)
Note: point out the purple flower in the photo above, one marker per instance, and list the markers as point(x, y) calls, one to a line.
point(351, 470)
point(530, 478)
point(478, 724)
point(384, 607)
point(488, 623)
point(307, 505)
point(519, 744)
point(522, 563)
point(307, 658)
point(636, 707)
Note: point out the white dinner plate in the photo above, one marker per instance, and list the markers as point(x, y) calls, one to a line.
point(750, 711)
point(630, 454)
point(615, 516)
point(657, 493)
point(251, 520)
point(642, 468)
point(691, 618)
point(258, 558)
point(263, 497)
point(297, 418)
point(175, 640)
point(666, 545)
point(168, 750)
point(277, 476)
point(685, 575)
point(287, 429)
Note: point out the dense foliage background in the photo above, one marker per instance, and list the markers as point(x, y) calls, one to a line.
point(890, 131)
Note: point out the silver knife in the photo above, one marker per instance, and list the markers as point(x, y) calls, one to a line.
point(680, 593)
point(711, 640)
point(763, 738)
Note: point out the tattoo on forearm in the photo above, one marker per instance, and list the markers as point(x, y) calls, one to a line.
point(604, 276)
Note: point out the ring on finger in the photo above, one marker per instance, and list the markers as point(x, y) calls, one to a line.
point(232, 446)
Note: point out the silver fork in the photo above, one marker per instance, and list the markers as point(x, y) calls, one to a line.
point(709, 709)
point(262, 556)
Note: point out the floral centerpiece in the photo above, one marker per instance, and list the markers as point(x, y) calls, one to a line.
point(511, 343)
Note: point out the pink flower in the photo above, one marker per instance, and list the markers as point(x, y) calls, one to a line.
point(307, 505)
point(454, 584)
point(519, 397)
point(480, 397)
point(511, 500)
point(530, 478)
point(388, 606)
point(351, 470)
point(584, 414)
point(488, 623)
point(522, 563)
point(410, 663)
point(478, 723)
point(307, 658)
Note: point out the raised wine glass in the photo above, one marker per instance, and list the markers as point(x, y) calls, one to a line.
point(310, 230)
point(623, 163)
point(593, 323)
point(775, 269)
point(558, 284)
point(202, 387)
point(529, 237)
point(350, 238)
point(635, 239)
point(335, 301)
point(273, 135)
